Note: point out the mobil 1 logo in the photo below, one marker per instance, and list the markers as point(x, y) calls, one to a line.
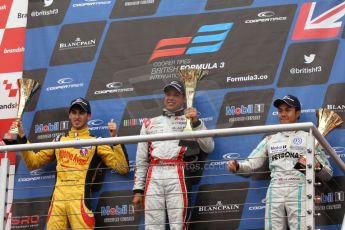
point(47, 124)
point(245, 108)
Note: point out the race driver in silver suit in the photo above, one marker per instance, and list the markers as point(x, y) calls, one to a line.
point(161, 183)
point(286, 193)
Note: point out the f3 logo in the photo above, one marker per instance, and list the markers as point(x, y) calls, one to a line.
point(214, 42)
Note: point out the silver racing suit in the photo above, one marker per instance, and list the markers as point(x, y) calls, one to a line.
point(286, 193)
point(160, 172)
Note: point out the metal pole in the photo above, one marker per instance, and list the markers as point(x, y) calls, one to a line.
point(161, 137)
point(4, 167)
point(310, 181)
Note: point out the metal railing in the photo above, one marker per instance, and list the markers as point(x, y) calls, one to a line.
point(306, 126)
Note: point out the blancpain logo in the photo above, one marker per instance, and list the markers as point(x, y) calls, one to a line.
point(65, 83)
point(219, 208)
point(78, 43)
point(309, 59)
point(265, 16)
point(338, 108)
point(113, 87)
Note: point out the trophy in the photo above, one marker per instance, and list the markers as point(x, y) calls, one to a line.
point(190, 78)
point(27, 87)
point(326, 122)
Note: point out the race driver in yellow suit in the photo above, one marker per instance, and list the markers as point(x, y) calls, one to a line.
point(70, 204)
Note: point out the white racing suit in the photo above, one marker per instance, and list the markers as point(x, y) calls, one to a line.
point(160, 173)
point(286, 192)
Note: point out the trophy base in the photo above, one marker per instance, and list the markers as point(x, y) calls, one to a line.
point(300, 167)
point(10, 138)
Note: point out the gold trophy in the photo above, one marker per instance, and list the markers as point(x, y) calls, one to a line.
point(326, 122)
point(190, 78)
point(27, 87)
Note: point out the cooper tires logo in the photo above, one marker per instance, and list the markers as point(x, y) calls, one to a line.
point(65, 80)
point(266, 14)
point(114, 85)
point(231, 156)
point(96, 122)
point(339, 149)
point(37, 172)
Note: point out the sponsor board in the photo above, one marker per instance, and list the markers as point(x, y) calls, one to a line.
point(136, 112)
point(46, 13)
point(115, 209)
point(329, 202)
point(12, 50)
point(241, 109)
point(308, 63)
point(29, 213)
point(214, 203)
point(47, 124)
point(221, 43)
point(77, 43)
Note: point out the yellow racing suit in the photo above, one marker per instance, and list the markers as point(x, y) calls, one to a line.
point(76, 169)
